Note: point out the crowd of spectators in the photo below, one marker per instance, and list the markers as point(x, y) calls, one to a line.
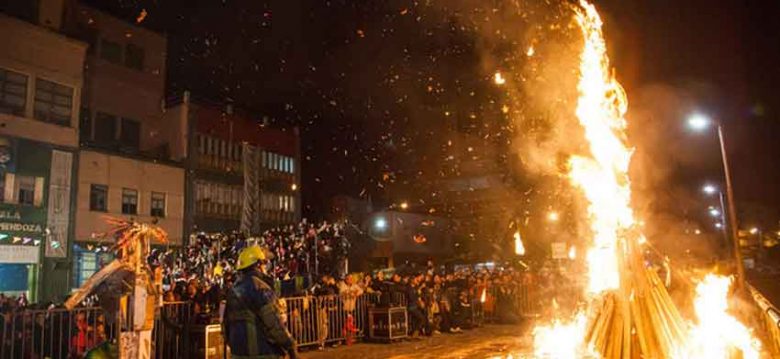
point(437, 300)
point(12, 303)
point(200, 271)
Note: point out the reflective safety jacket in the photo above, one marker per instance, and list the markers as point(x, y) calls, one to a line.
point(253, 324)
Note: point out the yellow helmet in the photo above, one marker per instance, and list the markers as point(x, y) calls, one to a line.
point(249, 256)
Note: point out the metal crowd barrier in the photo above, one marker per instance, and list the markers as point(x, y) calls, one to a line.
point(770, 320)
point(311, 320)
point(326, 319)
point(521, 301)
point(172, 327)
point(56, 333)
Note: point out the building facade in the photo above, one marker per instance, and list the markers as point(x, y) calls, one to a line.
point(121, 187)
point(237, 168)
point(41, 78)
point(125, 166)
point(400, 236)
point(124, 85)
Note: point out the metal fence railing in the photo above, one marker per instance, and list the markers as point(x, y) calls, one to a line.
point(770, 321)
point(520, 299)
point(326, 319)
point(56, 333)
point(172, 327)
point(179, 331)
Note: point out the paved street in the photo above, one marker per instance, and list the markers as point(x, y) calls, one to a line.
point(487, 342)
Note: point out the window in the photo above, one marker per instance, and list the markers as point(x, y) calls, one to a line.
point(26, 192)
point(292, 165)
point(134, 57)
point(158, 204)
point(85, 124)
point(98, 198)
point(201, 144)
point(2, 186)
point(110, 51)
point(53, 102)
point(13, 92)
point(88, 264)
point(130, 135)
point(129, 201)
point(105, 128)
point(29, 190)
point(236, 152)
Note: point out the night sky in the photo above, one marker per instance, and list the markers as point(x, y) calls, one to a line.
point(368, 82)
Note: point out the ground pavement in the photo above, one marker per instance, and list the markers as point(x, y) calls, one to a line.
point(490, 341)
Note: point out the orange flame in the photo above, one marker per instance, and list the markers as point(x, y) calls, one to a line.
point(519, 247)
point(717, 332)
point(602, 176)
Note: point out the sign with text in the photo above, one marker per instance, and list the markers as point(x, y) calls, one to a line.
point(22, 221)
point(10, 253)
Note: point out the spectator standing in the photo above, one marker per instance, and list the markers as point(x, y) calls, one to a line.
point(349, 291)
point(416, 309)
point(253, 325)
point(84, 338)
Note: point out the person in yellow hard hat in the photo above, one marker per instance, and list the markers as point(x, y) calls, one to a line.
point(253, 323)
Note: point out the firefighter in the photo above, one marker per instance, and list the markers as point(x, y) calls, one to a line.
point(253, 322)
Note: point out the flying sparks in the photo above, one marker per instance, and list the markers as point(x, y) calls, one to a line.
point(499, 79)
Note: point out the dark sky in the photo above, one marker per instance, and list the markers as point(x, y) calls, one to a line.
point(367, 81)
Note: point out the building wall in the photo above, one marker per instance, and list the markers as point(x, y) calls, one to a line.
point(215, 139)
point(400, 228)
point(44, 58)
point(114, 86)
point(117, 173)
point(40, 53)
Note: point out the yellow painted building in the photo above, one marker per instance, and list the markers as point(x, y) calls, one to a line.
point(124, 187)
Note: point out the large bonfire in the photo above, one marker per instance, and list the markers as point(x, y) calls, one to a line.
point(630, 314)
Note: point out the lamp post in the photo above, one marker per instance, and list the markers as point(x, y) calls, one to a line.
point(700, 122)
point(709, 189)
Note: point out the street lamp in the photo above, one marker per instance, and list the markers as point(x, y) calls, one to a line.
point(380, 224)
point(700, 122)
point(709, 189)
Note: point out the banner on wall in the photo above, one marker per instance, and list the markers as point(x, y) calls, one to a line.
point(58, 218)
point(10, 253)
point(250, 217)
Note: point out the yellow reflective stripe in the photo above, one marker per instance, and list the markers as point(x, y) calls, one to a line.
point(251, 337)
point(246, 316)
